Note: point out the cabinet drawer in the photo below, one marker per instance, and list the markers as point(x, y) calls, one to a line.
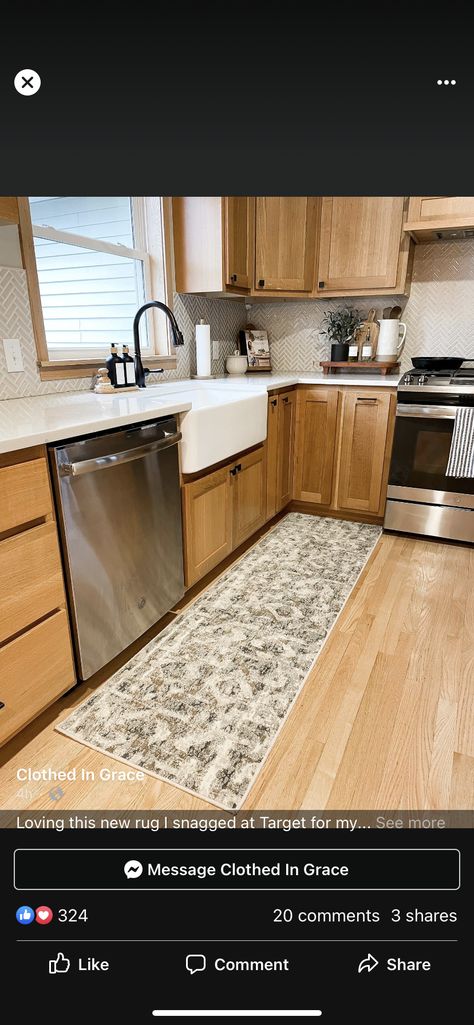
point(34, 670)
point(24, 493)
point(31, 582)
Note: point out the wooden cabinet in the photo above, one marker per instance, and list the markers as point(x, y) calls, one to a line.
point(434, 217)
point(343, 444)
point(8, 210)
point(220, 510)
point(363, 249)
point(239, 229)
point(280, 451)
point(272, 456)
point(36, 663)
point(248, 486)
point(207, 522)
point(286, 436)
point(316, 431)
point(214, 238)
point(285, 243)
point(364, 427)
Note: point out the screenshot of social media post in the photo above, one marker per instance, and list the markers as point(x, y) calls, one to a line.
point(236, 539)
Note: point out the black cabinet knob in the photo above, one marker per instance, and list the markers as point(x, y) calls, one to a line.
point(274, 402)
point(320, 284)
point(261, 283)
point(233, 277)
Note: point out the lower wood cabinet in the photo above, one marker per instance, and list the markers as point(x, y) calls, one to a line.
point(207, 522)
point(248, 486)
point(316, 429)
point(364, 427)
point(36, 662)
point(280, 451)
point(221, 510)
point(343, 443)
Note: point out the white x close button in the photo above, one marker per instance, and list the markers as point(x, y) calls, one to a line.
point(27, 82)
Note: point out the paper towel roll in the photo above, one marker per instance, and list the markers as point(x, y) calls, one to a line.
point(203, 350)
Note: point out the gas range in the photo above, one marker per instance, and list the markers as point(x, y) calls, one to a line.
point(423, 497)
point(444, 381)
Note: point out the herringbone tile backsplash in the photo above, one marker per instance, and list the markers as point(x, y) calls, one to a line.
point(226, 317)
point(439, 315)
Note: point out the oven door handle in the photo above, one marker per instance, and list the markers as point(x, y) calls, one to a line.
point(428, 412)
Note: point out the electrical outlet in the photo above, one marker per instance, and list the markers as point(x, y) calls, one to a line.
point(13, 355)
point(215, 350)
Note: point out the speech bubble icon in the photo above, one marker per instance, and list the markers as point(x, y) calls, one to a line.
point(133, 869)
point(195, 963)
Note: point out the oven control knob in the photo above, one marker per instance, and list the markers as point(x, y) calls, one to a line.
point(423, 379)
point(408, 379)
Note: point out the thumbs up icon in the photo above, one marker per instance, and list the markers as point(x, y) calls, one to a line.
point(59, 964)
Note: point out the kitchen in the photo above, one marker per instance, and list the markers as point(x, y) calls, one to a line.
point(287, 531)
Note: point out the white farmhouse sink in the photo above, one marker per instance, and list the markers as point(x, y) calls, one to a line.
point(221, 423)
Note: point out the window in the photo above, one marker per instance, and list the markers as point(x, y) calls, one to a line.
point(98, 258)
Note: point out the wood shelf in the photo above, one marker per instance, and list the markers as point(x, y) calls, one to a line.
point(375, 365)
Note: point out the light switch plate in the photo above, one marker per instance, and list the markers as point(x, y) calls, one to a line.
point(13, 355)
point(215, 350)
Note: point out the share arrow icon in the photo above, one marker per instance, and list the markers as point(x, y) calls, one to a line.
point(368, 963)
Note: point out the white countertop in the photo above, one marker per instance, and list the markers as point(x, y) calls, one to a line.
point(44, 418)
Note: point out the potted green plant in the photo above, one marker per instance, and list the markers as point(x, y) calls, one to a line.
point(341, 324)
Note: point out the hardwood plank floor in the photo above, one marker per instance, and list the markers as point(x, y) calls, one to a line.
point(385, 719)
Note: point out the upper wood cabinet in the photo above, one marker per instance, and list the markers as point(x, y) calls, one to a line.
point(239, 229)
point(316, 427)
point(8, 210)
point(214, 238)
point(435, 217)
point(285, 243)
point(364, 426)
point(363, 249)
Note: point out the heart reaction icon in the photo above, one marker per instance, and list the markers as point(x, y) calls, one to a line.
point(44, 915)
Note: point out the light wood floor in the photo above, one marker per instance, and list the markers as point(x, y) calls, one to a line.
point(385, 719)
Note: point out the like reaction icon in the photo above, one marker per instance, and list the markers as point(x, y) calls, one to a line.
point(59, 964)
point(25, 915)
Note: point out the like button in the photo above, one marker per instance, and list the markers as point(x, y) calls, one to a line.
point(59, 964)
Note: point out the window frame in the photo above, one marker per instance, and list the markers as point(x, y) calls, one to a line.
point(152, 230)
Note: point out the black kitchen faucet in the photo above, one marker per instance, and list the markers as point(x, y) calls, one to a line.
point(141, 371)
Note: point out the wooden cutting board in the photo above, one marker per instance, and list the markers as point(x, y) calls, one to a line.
point(368, 331)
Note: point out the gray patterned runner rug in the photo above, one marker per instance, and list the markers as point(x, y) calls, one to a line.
point(200, 706)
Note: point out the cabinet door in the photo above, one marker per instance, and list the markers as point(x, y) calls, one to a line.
point(285, 243)
point(316, 427)
point(364, 427)
point(249, 495)
point(286, 434)
point(239, 234)
point(207, 516)
point(272, 456)
point(360, 243)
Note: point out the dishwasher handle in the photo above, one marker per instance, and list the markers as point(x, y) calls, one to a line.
point(118, 458)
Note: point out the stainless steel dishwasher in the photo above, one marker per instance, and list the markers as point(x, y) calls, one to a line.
point(119, 512)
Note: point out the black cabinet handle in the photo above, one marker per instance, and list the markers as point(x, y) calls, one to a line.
point(236, 469)
point(274, 402)
point(2, 704)
point(320, 284)
point(233, 277)
point(261, 283)
point(285, 398)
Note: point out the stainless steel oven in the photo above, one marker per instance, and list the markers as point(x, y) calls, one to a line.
point(421, 498)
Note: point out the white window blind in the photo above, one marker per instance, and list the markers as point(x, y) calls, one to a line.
point(93, 271)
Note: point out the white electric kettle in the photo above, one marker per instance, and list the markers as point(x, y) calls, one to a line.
point(390, 341)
